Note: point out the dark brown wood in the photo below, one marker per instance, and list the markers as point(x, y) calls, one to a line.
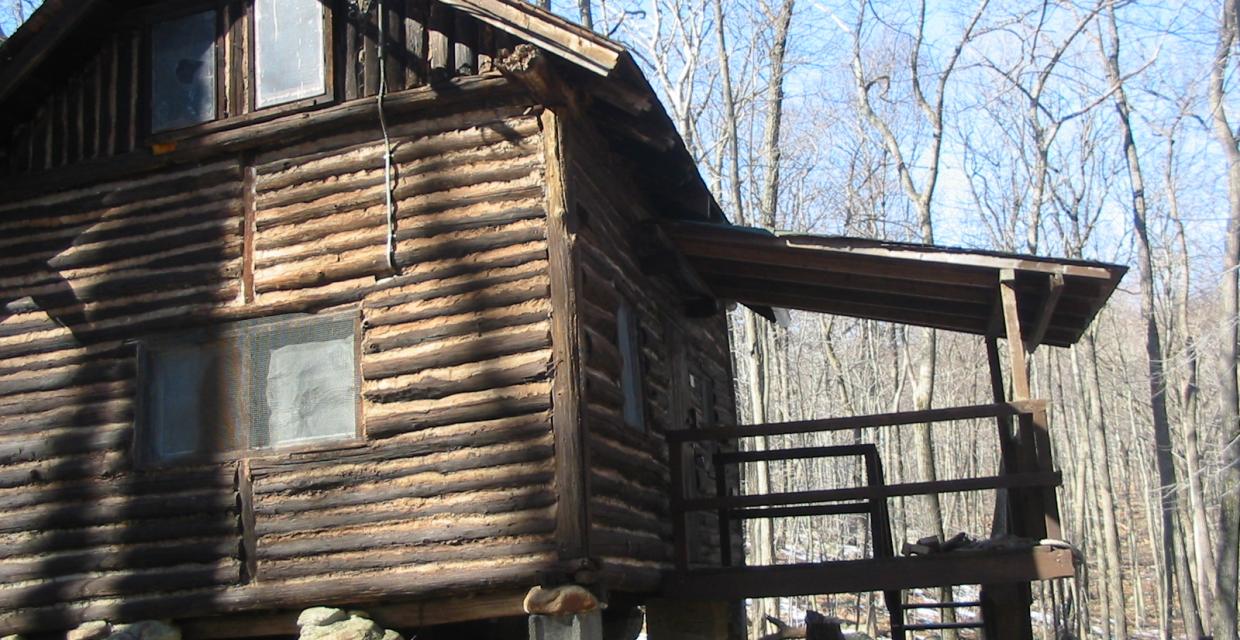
point(1006, 481)
point(249, 536)
point(1014, 335)
point(859, 422)
point(369, 27)
point(851, 576)
point(464, 43)
point(416, 61)
point(571, 453)
point(439, 46)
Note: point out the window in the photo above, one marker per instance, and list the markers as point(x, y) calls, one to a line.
point(288, 57)
point(183, 71)
point(255, 385)
point(630, 366)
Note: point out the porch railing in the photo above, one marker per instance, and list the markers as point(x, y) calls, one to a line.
point(1026, 473)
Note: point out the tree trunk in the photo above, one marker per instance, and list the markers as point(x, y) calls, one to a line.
point(1225, 616)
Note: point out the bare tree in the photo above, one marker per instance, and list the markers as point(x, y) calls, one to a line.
point(1225, 615)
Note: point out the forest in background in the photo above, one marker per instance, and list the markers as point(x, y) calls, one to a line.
point(1102, 130)
point(1098, 129)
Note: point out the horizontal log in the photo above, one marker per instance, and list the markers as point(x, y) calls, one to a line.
point(69, 413)
point(117, 583)
point(458, 284)
point(129, 485)
point(201, 267)
point(397, 417)
point(80, 355)
point(67, 441)
point(404, 556)
point(480, 321)
point(410, 445)
point(119, 510)
point(359, 588)
point(196, 526)
point(499, 294)
point(65, 469)
point(457, 350)
point(71, 376)
point(473, 503)
point(492, 468)
point(138, 556)
point(434, 384)
point(535, 522)
point(469, 241)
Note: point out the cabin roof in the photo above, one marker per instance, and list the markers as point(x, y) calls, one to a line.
point(926, 285)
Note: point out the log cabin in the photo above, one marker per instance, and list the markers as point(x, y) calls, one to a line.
point(415, 305)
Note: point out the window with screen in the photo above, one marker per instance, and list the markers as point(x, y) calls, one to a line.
point(629, 345)
point(251, 386)
point(183, 71)
point(289, 51)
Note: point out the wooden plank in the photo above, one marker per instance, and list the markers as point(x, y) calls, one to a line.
point(852, 576)
point(1050, 303)
point(439, 42)
point(858, 422)
point(568, 425)
point(847, 508)
point(416, 63)
point(1006, 481)
point(394, 47)
point(839, 451)
point(369, 25)
point(1015, 337)
point(464, 45)
point(560, 37)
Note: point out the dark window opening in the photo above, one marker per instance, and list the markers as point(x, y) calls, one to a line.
point(255, 385)
point(183, 71)
point(629, 344)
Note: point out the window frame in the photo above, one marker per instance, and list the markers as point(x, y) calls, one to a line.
point(251, 65)
point(233, 108)
point(146, 101)
point(144, 431)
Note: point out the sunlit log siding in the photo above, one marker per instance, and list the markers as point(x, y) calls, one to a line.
point(628, 466)
point(452, 487)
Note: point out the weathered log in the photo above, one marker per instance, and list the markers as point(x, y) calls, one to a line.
point(138, 556)
point(481, 502)
point(456, 350)
point(396, 417)
point(68, 413)
point(469, 301)
point(533, 522)
point(68, 468)
point(440, 383)
point(73, 375)
point(389, 337)
point(405, 556)
point(195, 526)
point(72, 588)
point(131, 485)
point(505, 467)
point(117, 510)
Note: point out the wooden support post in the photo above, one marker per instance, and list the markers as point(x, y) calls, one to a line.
point(1005, 610)
point(680, 538)
point(1003, 517)
point(1050, 502)
point(572, 468)
point(725, 522)
point(1015, 339)
point(1054, 289)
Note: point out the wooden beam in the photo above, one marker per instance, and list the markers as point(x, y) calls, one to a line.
point(857, 422)
point(567, 411)
point(880, 492)
point(1054, 290)
point(547, 31)
point(880, 574)
point(1015, 337)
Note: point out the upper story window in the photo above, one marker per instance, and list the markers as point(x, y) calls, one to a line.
point(183, 67)
point(235, 58)
point(288, 57)
point(250, 386)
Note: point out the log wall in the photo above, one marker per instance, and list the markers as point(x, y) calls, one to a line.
point(451, 489)
point(97, 109)
point(628, 468)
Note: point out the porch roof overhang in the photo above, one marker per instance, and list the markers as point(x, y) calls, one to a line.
point(925, 285)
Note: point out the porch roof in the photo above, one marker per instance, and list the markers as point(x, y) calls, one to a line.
point(926, 285)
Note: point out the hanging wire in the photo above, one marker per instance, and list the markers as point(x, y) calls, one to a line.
point(388, 186)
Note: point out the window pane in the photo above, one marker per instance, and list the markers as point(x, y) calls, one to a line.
point(191, 407)
point(305, 383)
point(183, 71)
point(289, 50)
point(630, 366)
